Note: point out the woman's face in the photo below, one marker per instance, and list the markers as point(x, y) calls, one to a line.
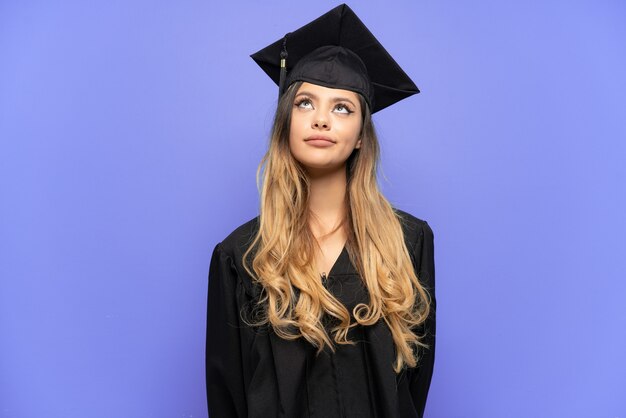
point(325, 127)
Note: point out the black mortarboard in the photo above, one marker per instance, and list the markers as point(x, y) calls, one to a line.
point(337, 50)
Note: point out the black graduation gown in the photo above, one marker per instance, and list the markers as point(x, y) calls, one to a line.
point(251, 372)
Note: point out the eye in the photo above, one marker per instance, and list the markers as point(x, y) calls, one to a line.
point(342, 108)
point(304, 104)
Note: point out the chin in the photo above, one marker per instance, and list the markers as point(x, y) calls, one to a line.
point(323, 167)
point(310, 161)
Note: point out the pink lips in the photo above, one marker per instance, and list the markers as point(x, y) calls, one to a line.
point(319, 141)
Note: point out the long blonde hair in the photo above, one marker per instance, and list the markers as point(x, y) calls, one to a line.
point(294, 300)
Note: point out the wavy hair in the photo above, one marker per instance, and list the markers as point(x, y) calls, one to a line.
point(294, 300)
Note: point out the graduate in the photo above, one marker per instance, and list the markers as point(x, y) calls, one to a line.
point(324, 304)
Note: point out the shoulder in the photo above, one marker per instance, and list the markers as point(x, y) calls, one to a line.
point(419, 240)
point(228, 255)
point(238, 241)
point(415, 229)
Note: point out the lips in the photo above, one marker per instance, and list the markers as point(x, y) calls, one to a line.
point(319, 138)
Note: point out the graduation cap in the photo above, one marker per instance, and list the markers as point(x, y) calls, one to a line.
point(337, 50)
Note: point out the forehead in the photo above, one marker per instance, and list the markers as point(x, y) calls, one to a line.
point(328, 93)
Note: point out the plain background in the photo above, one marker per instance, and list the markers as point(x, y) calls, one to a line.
point(130, 135)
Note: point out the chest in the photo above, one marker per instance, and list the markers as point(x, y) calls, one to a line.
point(329, 252)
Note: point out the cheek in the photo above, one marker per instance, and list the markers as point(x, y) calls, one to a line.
point(352, 132)
point(296, 123)
point(294, 132)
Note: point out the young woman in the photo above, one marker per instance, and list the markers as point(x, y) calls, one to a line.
point(324, 305)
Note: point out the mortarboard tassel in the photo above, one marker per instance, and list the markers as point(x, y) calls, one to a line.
point(283, 67)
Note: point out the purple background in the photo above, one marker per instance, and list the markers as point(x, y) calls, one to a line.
point(130, 134)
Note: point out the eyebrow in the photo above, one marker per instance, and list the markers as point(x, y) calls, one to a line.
point(334, 99)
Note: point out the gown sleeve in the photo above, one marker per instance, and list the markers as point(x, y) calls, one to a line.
point(224, 374)
point(425, 267)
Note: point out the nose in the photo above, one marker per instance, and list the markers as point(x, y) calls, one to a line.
point(320, 123)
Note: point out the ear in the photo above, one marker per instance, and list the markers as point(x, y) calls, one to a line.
point(358, 144)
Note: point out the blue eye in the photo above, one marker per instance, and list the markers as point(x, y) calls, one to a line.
point(304, 104)
point(342, 108)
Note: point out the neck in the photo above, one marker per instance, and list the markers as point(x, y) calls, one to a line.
point(327, 200)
